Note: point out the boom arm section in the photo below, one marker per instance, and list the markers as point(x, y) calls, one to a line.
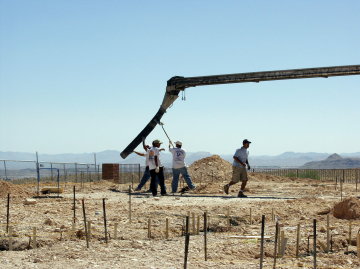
point(182, 83)
point(177, 84)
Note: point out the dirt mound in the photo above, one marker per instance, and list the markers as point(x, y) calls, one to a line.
point(212, 168)
point(348, 209)
point(14, 190)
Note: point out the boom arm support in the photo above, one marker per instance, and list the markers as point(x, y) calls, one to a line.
point(177, 84)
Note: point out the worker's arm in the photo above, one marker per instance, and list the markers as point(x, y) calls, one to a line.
point(162, 149)
point(144, 145)
point(139, 153)
point(248, 165)
point(238, 160)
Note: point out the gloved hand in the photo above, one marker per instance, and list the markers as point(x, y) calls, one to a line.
point(248, 167)
point(157, 169)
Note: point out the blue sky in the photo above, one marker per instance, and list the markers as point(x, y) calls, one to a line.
point(86, 76)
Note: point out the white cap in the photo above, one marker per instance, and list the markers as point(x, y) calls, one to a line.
point(178, 143)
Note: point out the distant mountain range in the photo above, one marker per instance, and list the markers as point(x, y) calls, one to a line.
point(287, 159)
point(334, 161)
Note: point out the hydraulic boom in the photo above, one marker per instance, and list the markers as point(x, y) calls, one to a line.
point(177, 84)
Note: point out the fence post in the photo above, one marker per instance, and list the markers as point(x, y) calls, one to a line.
point(98, 173)
point(37, 174)
point(5, 170)
point(51, 171)
point(76, 178)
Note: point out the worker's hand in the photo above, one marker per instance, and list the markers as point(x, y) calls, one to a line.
point(157, 169)
point(248, 167)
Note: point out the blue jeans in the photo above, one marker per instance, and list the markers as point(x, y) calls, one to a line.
point(176, 173)
point(144, 178)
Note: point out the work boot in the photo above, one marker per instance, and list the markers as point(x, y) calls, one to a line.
point(242, 195)
point(226, 188)
point(185, 189)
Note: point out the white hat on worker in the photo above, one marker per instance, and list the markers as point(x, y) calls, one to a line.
point(178, 143)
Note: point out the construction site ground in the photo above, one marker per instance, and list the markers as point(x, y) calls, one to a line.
point(290, 201)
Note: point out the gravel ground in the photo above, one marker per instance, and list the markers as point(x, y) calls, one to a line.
point(288, 200)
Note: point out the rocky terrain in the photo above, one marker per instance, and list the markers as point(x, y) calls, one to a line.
point(234, 224)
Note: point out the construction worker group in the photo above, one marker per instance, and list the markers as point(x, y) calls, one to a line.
point(154, 169)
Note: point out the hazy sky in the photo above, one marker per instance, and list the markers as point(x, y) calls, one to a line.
point(86, 76)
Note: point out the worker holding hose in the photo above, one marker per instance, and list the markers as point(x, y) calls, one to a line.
point(146, 176)
point(156, 169)
point(179, 167)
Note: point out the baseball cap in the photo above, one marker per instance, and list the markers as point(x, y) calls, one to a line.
point(157, 141)
point(178, 143)
point(245, 141)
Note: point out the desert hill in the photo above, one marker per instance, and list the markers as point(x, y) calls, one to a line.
point(334, 161)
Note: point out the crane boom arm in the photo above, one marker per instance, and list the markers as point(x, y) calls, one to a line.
point(177, 84)
point(182, 83)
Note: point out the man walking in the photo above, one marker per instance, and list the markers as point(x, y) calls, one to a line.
point(239, 169)
point(156, 169)
point(179, 167)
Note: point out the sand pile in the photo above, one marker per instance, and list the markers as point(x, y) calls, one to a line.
point(347, 209)
point(14, 190)
point(212, 168)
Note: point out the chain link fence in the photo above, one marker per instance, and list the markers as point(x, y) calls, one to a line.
point(345, 175)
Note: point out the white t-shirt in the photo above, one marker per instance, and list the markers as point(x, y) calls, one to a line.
point(242, 155)
point(178, 157)
point(147, 158)
point(154, 151)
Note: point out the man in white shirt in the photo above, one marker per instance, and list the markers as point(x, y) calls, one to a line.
point(156, 169)
point(239, 169)
point(146, 176)
point(179, 167)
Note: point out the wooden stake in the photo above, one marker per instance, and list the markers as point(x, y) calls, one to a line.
point(228, 217)
point(74, 204)
point(341, 189)
point(358, 245)
point(327, 233)
point(167, 229)
point(187, 240)
point(85, 224)
point(262, 241)
point(105, 220)
point(205, 232)
point(314, 243)
point(250, 216)
point(276, 242)
point(149, 228)
point(115, 230)
point(297, 240)
point(130, 203)
point(8, 213)
point(34, 241)
point(193, 224)
point(198, 225)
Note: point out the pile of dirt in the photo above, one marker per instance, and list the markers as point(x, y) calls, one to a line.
point(347, 209)
point(212, 168)
point(13, 189)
